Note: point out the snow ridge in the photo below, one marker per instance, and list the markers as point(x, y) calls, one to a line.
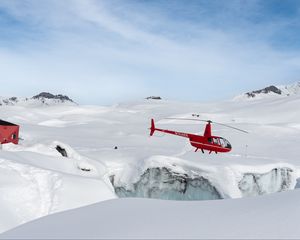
point(42, 99)
point(272, 91)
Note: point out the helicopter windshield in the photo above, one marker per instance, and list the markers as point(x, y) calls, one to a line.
point(225, 143)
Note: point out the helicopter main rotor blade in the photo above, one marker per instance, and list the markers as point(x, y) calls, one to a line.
point(190, 119)
point(238, 129)
point(202, 120)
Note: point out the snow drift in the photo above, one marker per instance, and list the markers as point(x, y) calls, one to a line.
point(33, 185)
point(273, 216)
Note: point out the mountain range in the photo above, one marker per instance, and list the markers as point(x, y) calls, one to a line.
point(44, 98)
point(272, 91)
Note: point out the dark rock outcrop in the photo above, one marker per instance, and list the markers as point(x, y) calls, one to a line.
point(47, 95)
point(154, 98)
point(266, 90)
point(62, 151)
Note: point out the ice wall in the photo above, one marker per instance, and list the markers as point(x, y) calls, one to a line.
point(277, 180)
point(162, 183)
point(165, 183)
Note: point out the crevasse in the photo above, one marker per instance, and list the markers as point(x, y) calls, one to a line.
point(164, 183)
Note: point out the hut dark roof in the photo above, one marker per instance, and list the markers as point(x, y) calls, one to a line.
point(4, 123)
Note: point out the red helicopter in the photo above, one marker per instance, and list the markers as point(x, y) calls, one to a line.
point(206, 142)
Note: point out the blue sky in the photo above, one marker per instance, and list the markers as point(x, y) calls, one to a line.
point(103, 52)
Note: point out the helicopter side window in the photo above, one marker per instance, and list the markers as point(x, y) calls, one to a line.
point(216, 141)
point(209, 139)
point(222, 142)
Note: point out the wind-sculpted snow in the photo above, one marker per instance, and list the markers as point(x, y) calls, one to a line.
point(36, 181)
point(273, 216)
point(26, 192)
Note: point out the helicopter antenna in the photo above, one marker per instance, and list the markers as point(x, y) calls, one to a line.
point(209, 121)
point(246, 150)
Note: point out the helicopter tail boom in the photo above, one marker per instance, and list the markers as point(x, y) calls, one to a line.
point(180, 134)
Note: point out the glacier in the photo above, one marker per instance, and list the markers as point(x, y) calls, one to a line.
point(68, 158)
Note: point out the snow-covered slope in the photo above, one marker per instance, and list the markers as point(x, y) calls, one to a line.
point(109, 154)
point(272, 91)
point(42, 99)
point(36, 181)
point(272, 217)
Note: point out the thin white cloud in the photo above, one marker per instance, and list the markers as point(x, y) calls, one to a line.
point(89, 49)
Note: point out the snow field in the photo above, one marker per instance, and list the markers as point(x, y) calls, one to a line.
point(36, 180)
point(273, 216)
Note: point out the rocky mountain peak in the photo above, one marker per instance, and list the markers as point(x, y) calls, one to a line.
point(270, 89)
point(41, 99)
point(47, 95)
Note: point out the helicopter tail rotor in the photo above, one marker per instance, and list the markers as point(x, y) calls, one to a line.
point(152, 128)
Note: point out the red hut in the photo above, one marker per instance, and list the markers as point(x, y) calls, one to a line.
point(9, 132)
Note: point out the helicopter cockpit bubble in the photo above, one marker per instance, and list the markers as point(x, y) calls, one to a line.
point(225, 143)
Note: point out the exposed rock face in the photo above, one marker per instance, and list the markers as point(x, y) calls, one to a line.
point(51, 96)
point(266, 90)
point(9, 101)
point(13, 99)
point(271, 91)
point(62, 151)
